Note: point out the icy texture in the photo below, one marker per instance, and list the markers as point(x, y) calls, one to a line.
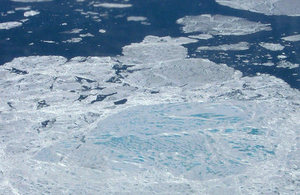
point(272, 46)
point(30, 1)
point(201, 36)
point(292, 38)
point(136, 18)
point(9, 25)
point(31, 13)
point(81, 126)
point(268, 7)
point(220, 25)
point(226, 47)
point(112, 5)
point(287, 64)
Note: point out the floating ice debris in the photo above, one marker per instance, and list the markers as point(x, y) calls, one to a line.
point(30, 1)
point(102, 31)
point(282, 56)
point(272, 46)
point(31, 13)
point(220, 25)
point(233, 47)
point(9, 25)
point(136, 18)
point(201, 36)
point(286, 64)
point(112, 5)
point(74, 31)
point(86, 35)
point(268, 7)
point(23, 8)
point(73, 40)
point(45, 41)
point(292, 38)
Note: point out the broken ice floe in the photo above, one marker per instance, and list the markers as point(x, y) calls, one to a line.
point(272, 46)
point(292, 38)
point(227, 47)
point(30, 1)
point(58, 124)
point(220, 25)
point(268, 7)
point(9, 25)
point(31, 13)
point(112, 5)
point(286, 64)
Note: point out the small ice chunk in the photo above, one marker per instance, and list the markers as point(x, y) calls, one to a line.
point(136, 18)
point(30, 1)
point(233, 47)
point(201, 36)
point(112, 5)
point(73, 40)
point(292, 38)
point(31, 13)
point(102, 31)
point(272, 46)
point(286, 64)
point(9, 25)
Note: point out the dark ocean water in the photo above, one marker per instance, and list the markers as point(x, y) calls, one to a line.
point(162, 16)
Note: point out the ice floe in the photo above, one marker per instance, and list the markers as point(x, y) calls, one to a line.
point(112, 5)
point(220, 25)
point(286, 64)
point(31, 13)
point(233, 47)
point(292, 38)
point(268, 7)
point(272, 46)
point(201, 36)
point(136, 18)
point(149, 121)
point(9, 25)
point(31, 1)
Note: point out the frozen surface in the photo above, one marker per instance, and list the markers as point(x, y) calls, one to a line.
point(30, 1)
point(292, 38)
point(287, 64)
point(9, 25)
point(112, 5)
point(226, 47)
point(149, 121)
point(31, 13)
point(220, 25)
point(268, 7)
point(272, 46)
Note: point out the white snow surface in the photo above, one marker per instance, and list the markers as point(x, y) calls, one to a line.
point(268, 7)
point(149, 121)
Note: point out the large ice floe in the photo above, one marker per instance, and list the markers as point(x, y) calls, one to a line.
point(220, 25)
point(268, 7)
point(149, 121)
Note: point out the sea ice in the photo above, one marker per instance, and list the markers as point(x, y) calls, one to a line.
point(9, 25)
point(268, 7)
point(272, 46)
point(233, 47)
point(31, 13)
point(220, 25)
point(292, 38)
